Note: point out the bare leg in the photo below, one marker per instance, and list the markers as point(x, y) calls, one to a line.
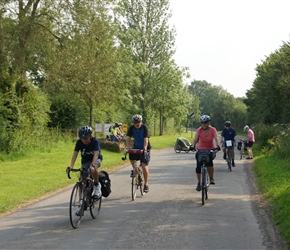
point(198, 177)
point(250, 152)
point(146, 173)
point(210, 171)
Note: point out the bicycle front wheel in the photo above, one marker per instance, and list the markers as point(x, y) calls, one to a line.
point(229, 159)
point(134, 187)
point(76, 206)
point(140, 183)
point(203, 186)
point(95, 207)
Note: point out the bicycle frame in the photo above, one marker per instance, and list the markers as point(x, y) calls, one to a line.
point(137, 178)
point(81, 198)
point(229, 147)
point(243, 148)
point(204, 157)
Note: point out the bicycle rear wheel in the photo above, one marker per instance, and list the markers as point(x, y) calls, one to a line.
point(76, 206)
point(95, 207)
point(241, 154)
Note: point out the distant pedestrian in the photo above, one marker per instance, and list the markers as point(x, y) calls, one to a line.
point(250, 141)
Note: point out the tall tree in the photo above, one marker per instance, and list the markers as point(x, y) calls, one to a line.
point(268, 99)
point(146, 34)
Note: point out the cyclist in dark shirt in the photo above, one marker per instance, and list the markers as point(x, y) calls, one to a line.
point(91, 155)
point(140, 133)
point(228, 134)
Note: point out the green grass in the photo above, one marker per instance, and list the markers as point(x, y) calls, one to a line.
point(273, 175)
point(25, 178)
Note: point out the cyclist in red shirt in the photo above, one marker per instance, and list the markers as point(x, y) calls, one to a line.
point(205, 136)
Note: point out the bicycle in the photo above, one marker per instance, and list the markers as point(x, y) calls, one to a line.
point(81, 198)
point(242, 147)
point(229, 147)
point(137, 173)
point(204, 156)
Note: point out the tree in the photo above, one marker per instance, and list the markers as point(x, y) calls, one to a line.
point(268, 99)
point(145, 34)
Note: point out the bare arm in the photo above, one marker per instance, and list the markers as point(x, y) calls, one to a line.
point(195, 139)
point(95, 158)
point(128, 140)
point(146, 142)
point(73, 159)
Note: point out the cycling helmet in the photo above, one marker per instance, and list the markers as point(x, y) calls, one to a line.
point(137, 118)
point(204, 118)
point(85, 132)
point(246, 127)
point(227, 123)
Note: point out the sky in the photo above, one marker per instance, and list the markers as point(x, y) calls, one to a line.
point(222, 41)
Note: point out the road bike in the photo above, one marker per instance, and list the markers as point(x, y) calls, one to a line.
point(82, 197)
point(229, 147)
point(137, 172)
point(204, 156)
point(242, 147)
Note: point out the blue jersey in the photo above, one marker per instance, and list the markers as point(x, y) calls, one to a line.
point(228, 134)
point(139, 135)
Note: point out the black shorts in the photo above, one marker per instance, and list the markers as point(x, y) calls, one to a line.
point(144, 158)
point(250, 144)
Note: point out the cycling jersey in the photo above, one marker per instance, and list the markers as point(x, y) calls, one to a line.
point(87, 151)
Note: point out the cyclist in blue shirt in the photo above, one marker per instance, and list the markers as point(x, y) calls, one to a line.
point(140, 133)
point(91, 155)
point(228, 134)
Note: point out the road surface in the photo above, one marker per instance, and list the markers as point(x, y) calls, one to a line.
point(170, 216)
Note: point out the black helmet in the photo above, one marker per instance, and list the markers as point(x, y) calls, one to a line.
point(204, 118)
point(227, 123)
point(85, 132)
point(137, 118)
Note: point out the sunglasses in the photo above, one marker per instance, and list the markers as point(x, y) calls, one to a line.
point(204, 122)
point(137, 122)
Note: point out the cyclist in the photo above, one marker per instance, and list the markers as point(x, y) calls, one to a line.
point(205, 135)
point(91, 155)
point(114, 132)
point(251, 140)
point(140, 133)
point(228, 134)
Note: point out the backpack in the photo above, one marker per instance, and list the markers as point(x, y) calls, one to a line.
point(105, 183)
point(110, 128)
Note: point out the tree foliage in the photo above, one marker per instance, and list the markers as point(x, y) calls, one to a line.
point(268, 100)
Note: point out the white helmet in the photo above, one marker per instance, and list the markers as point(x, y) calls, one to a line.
point(246, 127)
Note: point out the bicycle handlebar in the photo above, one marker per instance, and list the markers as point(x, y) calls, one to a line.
point(68, 170)
point(132, 151)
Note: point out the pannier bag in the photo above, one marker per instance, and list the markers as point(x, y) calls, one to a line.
point(105, 183)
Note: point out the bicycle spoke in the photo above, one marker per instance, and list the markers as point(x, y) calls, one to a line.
point(134, 188)
point(95, 207)
point(76, 206)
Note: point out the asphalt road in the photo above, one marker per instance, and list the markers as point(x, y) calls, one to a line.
point(170, 216)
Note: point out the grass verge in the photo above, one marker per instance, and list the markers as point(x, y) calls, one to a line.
point(273, 175)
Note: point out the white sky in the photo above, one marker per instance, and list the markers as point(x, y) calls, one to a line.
point(222, 41)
